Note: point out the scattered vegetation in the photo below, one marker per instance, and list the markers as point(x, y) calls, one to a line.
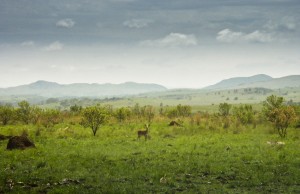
point(230, 149)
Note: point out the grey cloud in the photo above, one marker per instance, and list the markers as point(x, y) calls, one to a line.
point(286, 22)
point(201, 18)
point(65, 23)
point(54, 46)
point(173, 40)
point(28, 43)
point(230, 36)
point(137, 23)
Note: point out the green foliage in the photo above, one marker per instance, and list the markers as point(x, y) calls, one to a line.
point(7, 113)
point(172, 112)
point(50, 117)
point(75, 109)
point(210, 163)
point(282, 118)
point(179, 111)
point(136, 110)
point(122, 114)
point(224, 109)
point(244, 114)
point(36, 113)
point(24, 112)
point(176, 159)
point(148, 113)
point(280, 115)
point(184, 110)
point(94, 117)
point(271, 103)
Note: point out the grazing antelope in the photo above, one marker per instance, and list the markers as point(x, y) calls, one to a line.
point(144, 133)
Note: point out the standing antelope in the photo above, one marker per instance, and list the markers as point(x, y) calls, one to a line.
point(144, 133)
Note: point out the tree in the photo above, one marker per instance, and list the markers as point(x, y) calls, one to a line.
point(148, 112)
point(279, 115)
point(75, 109)
point(161, 109)
point(24, 111)
point(136, 110)
point(272, 102)
point(6, 113)
point(184, 110)
point(244, 113)
point(50, 117)
point(282, 118)
point(94, 117)
point(172, 112)
point(36, 113)
point(224, 109)
point(122, 114)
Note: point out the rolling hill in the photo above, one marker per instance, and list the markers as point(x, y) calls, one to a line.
point(257, 81)
point(262, 85)
point(52, 89)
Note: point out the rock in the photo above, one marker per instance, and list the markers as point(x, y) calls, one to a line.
point(174, 123)
point(19, 142)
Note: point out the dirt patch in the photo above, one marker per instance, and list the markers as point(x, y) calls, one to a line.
point(19, 142)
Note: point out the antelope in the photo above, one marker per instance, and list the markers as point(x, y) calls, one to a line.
point(144, 133)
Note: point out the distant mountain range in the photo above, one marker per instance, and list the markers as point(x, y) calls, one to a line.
point(52, 89)
point(257, 81)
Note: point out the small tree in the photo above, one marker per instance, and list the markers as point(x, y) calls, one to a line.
point(122, 114)
point(282, 118)
point(50, 117)
point(280, 115)
point(244, 114)
point(148, 112)
point(224, 109)
point(184, 110)
point(136, 110)
point(36, 113)
point(172, 112)
point(94, 117)
point(6, 113)
point(24, 111)
point(272, 102)
point(75, 109)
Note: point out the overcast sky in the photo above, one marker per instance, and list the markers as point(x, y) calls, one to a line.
point(176, 43)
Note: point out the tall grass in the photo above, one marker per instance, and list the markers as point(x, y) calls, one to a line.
point(203, 158)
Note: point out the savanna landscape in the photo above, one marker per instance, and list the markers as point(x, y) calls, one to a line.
point(234, 148)
point(139, 96)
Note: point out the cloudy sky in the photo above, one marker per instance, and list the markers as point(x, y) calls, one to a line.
point(176, 43)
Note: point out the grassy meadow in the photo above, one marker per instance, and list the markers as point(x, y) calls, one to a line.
point(198, 157)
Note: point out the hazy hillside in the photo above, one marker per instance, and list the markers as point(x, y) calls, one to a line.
point(276, 83)
point(51, 89)
point(235, 90)
point(257, 81)
point(238, 82)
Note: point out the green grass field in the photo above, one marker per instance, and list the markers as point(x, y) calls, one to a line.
point(190, 159)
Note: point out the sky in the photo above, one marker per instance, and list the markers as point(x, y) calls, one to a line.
point(175, 43)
